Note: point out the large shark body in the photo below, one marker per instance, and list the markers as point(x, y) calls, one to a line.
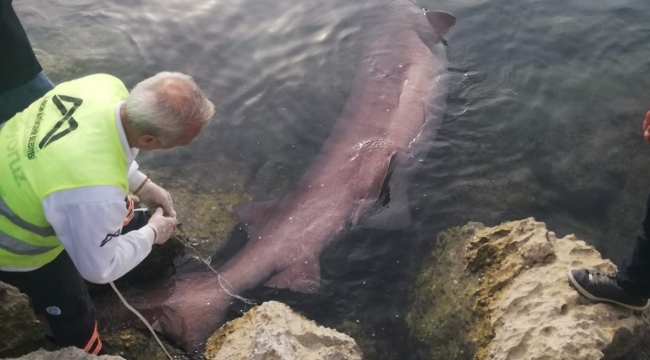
point(391, 117)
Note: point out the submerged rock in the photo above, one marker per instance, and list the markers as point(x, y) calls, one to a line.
point(20, 331)
point(138, 344)
point(69, 353)
point(363, 335)
point(502, 293)
point(272, 331)
point(204, 195)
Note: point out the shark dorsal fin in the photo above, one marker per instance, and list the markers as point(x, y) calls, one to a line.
point(440, 21)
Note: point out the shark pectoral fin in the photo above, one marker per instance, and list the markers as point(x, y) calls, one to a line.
point(303, 277)
point(391, 211)
point(378, 196)
point(393, 216)
point(440, 21)
point(250, 212)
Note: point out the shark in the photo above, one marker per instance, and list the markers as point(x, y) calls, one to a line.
point(388, 122)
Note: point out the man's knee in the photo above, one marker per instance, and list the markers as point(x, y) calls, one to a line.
point(58, 291)
point(73, 320)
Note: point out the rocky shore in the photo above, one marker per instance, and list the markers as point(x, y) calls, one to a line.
point(498, 293)
point(502, 293)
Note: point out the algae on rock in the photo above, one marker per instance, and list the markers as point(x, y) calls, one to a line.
point(69, 353)
point(502, 293)
point(203, 198)
point(364, 337)
point(441, 317)
point(20, 331)
point(137, 344)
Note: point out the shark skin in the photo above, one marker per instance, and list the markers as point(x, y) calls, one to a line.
point(391, 116)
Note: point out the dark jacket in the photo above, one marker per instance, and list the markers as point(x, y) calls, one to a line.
point(18, 64)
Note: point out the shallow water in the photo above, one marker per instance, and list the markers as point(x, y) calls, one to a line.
point(544, 117)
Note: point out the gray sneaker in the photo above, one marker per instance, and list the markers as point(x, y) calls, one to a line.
point(602, 287)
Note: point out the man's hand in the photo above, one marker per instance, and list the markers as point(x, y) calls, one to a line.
point(646, 127)
point(162, 225)
point(154, 196)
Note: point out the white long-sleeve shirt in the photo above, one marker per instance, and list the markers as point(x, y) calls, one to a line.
point(88, 221)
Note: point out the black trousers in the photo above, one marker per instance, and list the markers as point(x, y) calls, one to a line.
point(634, 274)
point(58, 291)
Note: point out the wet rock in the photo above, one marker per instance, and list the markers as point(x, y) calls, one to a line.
point(363, 335)
point(277, 176)
point(441, 317)
point(273, 331)
point(503, 293)
point(69, 353)
point(20, 331)
point(204, 195)
point(137, 344)
point(157, 265)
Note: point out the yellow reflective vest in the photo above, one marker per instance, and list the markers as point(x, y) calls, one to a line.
point(64, 140)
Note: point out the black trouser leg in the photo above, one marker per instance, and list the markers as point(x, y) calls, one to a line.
point(58, 291)
point(634, 274)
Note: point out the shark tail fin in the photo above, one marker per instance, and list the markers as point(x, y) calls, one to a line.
point(303, 277)
point(440, 21)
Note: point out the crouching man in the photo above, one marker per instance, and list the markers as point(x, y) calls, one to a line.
point(66, 168)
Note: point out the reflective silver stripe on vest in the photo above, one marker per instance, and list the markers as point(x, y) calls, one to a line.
point(14, 245)
point(18, 247)
point(16, 220)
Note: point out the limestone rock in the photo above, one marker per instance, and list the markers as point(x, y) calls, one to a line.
point(21, 331)
point(138, 344)
point(502, 293)
point(69, 353)
point(272, 331)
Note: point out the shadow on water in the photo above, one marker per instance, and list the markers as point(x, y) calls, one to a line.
point(543, 120)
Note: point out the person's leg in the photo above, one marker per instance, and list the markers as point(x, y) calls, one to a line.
point(58, 291)
point(6, 111)
point(630, 287)
point(18, 99)
point(634, 274)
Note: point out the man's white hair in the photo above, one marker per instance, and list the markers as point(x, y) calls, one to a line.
point(165, 104)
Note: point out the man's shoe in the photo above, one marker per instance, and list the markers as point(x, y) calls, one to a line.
point(599, 286)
